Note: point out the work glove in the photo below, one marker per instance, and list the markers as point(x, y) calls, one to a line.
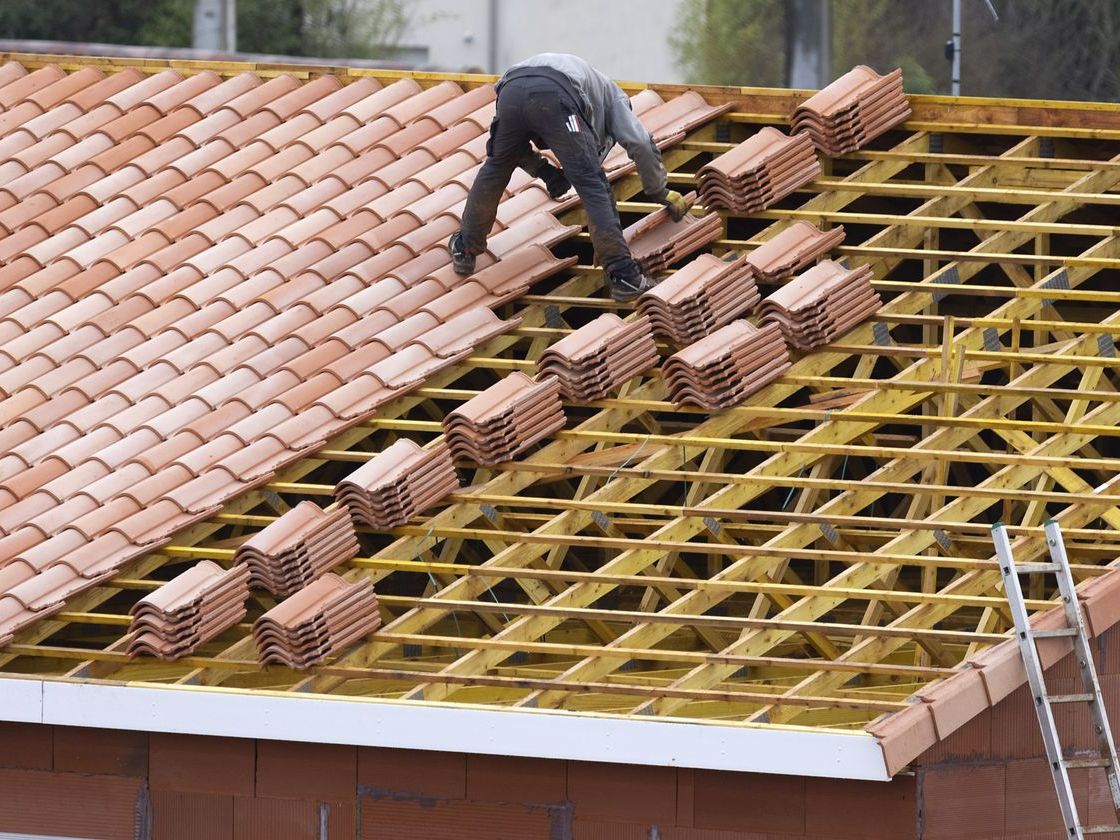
point(678, 206)
point(554, 180)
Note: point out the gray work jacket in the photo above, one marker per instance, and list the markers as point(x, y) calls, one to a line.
point(606, 109)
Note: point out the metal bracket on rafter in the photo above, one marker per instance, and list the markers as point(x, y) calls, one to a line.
point(830, 533)
point(949, 277)
point(1059, 282)
point(991, 340)
point(881, 334)
point(1106, 346)
point(943, 539)
point(552, 317)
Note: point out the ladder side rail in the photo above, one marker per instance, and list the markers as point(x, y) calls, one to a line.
point(1084, 653)
point(1033, 666)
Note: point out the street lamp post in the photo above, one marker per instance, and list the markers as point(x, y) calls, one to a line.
point(953, 45)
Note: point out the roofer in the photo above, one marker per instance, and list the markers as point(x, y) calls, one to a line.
point(560, 102)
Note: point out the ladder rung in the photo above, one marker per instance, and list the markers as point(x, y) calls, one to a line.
point(1074, 630)
point(1027, 568)
point(1054, 634)
point(1081, 763)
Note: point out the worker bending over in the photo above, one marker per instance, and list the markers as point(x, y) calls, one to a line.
point(560, 102)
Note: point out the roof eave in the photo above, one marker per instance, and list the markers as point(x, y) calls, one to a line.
point(982, 682)
point(444, 727)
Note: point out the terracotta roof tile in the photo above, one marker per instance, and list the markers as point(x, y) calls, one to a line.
point(727, 366)
point(540, 228)
point(796, 247)
point(701, 296)
point(592, 361)
point(419, 104)
point(317, 622)
point(213, 98)
point(460, 107)
point(56, 96)
point(505, 419)
point(759, 172)
point(194, 298)
point(852, 111)
point(176, 95)
point(259, 96)
point(298, 547)
point(10, 71)
point(821, 304)
point(656, 241)
point(680, 114)
point(406, 139)
point(18, 90)
point(397, 484)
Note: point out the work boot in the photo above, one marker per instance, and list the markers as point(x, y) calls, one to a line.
point(628, 283)
point(461, 259)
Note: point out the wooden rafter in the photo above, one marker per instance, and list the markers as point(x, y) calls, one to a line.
point(812, 556)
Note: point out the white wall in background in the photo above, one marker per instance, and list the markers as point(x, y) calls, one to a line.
point(626, 39)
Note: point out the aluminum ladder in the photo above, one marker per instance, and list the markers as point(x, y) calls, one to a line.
point(1043, 701)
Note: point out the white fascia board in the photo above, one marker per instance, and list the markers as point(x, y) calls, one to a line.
point(21, 700)
point(534, 733)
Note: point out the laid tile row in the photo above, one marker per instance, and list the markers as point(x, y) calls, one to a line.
point(205, 280)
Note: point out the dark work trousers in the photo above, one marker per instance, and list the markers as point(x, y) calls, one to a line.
point(537, 108)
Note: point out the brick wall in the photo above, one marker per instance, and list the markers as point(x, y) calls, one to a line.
point(987, 780)
point(124, 785)
point(990, 779)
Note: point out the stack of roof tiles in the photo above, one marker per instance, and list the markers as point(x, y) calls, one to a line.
point(824, 302)
point(856, 108)
point(798, 246)
point(297, 548)
point(204, 280)
point(505, 419)
point(701, 296)
point(656, 241)
point(397, 484)
point(727, 366)
point(759, 172)
point(187, 612)
point(320, 620)
point(600, 356)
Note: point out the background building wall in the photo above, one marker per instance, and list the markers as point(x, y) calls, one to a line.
point(626, 39)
